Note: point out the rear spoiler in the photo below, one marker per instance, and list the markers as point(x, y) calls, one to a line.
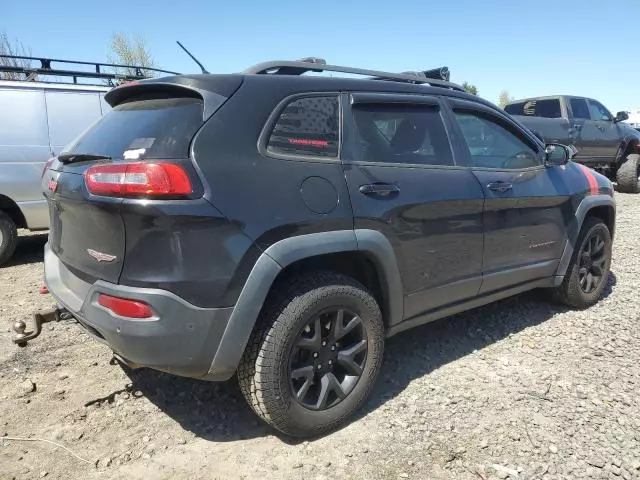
point(213, 90)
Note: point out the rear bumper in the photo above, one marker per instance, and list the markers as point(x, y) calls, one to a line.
point(181, 338)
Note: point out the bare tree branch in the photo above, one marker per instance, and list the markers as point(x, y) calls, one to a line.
point(504, 99)
point(13, 49)
point(131, 51)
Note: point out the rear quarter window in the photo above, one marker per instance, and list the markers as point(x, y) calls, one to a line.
point(307, 126)
point(152, 128)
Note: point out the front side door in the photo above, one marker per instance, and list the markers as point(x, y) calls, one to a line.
point(404, 182)
point(609, 139)
point(526, 203)
point(586, 132)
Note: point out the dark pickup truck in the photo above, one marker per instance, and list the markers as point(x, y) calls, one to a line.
point(605, 143)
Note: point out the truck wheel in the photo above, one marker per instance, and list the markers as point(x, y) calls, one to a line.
point(628, 174)
point(588, 271)
point(8, 237)
point(315, 354)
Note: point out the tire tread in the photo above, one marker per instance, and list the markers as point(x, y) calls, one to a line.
point(283, 306)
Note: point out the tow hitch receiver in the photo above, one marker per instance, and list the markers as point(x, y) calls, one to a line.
point(39, 318)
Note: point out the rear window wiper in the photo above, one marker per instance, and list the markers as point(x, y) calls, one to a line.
point(80, 157)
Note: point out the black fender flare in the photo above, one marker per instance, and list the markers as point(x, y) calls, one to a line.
point(285, 252)
point(585, 206)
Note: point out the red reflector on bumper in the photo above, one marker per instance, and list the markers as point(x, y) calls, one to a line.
point(125, 307)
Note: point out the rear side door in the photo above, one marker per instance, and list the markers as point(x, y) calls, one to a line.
point(403, 181)
point(586, 131)
point(526, 203)
point(609, 138)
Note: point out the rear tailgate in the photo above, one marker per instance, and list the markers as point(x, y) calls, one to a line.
point(87, 236)
point(154, 122)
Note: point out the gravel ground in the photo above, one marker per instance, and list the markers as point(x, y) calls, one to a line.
point(518, 389)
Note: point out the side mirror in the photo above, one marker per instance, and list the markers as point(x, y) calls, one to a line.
point(557, 154)
point(621, 117)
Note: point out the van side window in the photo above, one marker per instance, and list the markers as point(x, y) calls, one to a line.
point(402, 134)
point(307, 126)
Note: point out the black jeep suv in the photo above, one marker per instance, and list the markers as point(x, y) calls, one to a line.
point(280, 226)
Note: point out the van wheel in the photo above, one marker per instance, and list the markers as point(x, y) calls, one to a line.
point(588, 271)
point(8, 237)
point(314, 357)
point(628, 176)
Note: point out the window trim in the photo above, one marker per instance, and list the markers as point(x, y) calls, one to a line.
point(502, 120)
point(399, 99)
point(274, 116)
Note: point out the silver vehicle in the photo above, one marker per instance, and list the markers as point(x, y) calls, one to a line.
point(37, 120)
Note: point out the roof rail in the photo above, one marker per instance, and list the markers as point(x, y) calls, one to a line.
point(45, 69)
point(435, 77)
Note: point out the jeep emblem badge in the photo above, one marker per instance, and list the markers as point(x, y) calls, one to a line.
point(101, 257)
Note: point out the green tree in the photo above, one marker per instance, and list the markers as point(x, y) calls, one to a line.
point(131, 51)
point(470, 88)
point(504, 99)
point(7, 47)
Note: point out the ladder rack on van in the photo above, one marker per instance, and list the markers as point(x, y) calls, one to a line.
point(434, 77)
point(45, 69)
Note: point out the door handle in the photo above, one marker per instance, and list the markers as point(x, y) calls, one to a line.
point(576, 126)
point(500, 186)
point(379, 189)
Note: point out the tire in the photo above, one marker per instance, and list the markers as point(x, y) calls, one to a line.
point(627, 176)
point(266, 371)
point(8, 237)
point(572, 292)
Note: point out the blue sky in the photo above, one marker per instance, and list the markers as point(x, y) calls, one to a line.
point(544, 47)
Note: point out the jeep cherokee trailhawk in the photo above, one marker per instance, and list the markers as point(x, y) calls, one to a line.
point(280, 226)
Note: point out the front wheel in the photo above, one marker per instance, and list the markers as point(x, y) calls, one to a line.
point(315, 355)
point(588, 271)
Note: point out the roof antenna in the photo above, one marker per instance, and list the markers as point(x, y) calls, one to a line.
point(204, 70)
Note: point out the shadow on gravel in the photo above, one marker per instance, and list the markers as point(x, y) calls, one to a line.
point(30, 249)
point(218, 412)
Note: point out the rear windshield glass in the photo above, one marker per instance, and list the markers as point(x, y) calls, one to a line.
point(147, 128)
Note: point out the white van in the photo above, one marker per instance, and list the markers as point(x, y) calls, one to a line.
point(38, 120)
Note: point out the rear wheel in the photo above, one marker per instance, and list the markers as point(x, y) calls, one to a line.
point(314, 358)
point(8, 237)
point(588, 271)
point(628, 176)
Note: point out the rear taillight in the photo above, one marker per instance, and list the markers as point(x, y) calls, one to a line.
point(125, 307)
point(143, 179)
point(47, 165)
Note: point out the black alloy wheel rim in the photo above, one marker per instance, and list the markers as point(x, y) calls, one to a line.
point(592, 261)
point(328, 359)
